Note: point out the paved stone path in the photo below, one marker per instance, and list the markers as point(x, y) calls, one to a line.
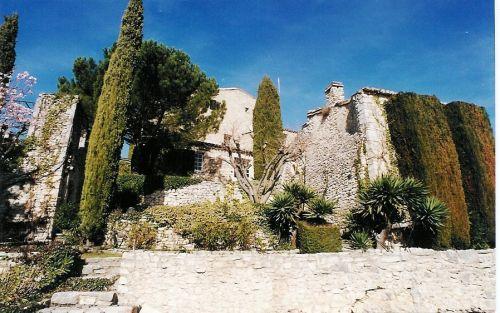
point(416, 280)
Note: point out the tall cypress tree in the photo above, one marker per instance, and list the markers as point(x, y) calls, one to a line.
point(8, 36)
point(267, 126)
point(106, 138)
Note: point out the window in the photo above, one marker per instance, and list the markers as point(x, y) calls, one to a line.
point(198, 161)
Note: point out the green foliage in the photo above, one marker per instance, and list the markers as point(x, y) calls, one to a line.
point(428, 219)
point(361, 240)
point(282, 214)
point(425, 149)
point(318, 208)
point(267, 126)
point(389, 197)
point(475, 146)
point(172, 105)
point(300, 192)
point(222, 225)
point(25, 284)
point(141, 236)
point(176, 182)
point(129, 189)
point(8, 36)
point(106, 138)
point(296, 202)
point(124, 167)
point(86, 284)
point(87, 83)
point(318, 238)
point(66, 217)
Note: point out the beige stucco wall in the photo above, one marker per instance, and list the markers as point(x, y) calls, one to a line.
point(237, 121)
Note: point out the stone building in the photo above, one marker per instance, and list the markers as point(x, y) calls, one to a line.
point(346, 142)
point(211, 159)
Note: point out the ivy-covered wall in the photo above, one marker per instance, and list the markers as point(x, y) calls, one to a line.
point(425, 150)
point(475, 146)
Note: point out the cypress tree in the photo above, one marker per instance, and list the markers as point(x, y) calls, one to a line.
point(425, 148)
point(106, 138)
point(473, 137)
point(8, 36)
point(267, 126)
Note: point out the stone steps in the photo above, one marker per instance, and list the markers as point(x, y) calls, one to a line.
point(101, 267)
point(87, 301)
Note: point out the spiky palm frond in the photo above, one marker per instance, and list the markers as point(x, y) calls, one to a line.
point(300, 192)
point(389, 196)
point(430, 215)
point(319, 207)
point(361, 240)
point(282, 213)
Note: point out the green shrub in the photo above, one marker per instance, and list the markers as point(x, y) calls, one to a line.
point(221, 225)
point(124, 167)
point(66, 217)
point(473, 137)
point(86, 284)
point(318, 238)
point(141, 235)
point(176, 182)
point(129, 189)
point(26, 283)
point(361, 240)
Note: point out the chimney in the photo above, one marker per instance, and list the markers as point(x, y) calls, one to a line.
point(334, 92)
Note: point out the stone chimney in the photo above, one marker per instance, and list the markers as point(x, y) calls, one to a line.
point(334, 92)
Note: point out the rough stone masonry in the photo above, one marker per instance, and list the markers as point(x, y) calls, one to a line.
point(413, 280)
point(347, 142)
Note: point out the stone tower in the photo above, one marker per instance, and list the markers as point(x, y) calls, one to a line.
point(334, 92)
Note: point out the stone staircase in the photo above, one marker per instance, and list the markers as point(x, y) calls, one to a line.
point(92, 301)
point(87, 302)
point(101, 267)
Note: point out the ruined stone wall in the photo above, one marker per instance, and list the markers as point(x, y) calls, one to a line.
point(413, 280)
point(50, 136)
point(346, 143)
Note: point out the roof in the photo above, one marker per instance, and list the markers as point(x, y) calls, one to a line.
point(237, 89)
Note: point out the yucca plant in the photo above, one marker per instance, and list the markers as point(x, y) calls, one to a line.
point(361, 240)
point(282, 214)
point(317, 208)
point(430, 215)
point(389, 196)
point(300, 192)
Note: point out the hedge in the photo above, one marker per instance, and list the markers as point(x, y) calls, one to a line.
point(425, 149)
point(129, 189)
point(318, 238)
point(475, 145)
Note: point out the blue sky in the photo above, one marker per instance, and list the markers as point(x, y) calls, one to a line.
point(442, 47)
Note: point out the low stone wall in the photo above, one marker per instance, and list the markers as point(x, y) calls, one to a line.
point(197, 193)
point(166, 238)
point(414, 280)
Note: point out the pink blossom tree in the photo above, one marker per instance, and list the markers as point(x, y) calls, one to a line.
point(15, 116)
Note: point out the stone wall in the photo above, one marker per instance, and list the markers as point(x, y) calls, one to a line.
point(413, 280)
point(347, 142)
point(57, 160)
point(197, 193)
